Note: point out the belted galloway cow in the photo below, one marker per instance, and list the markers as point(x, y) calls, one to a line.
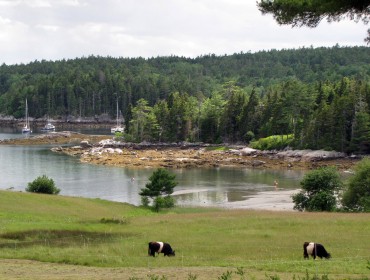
point(160, 247)
point(315, 250)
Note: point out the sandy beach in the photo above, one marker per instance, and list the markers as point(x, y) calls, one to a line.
point(278, 200)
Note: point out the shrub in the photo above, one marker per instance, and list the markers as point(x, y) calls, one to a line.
point(113, 221)
point(274, 142)
point(163, 202)
point(145, 201)
point(42, 184)
point(322, 201)
point(357, 195)
point(249, 136)
point(122, 136)
point(319, 190)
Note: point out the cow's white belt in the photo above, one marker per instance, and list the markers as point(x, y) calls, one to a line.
point(160, 247)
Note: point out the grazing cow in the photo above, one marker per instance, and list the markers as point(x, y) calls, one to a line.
point(315, 250)
point(160, 247)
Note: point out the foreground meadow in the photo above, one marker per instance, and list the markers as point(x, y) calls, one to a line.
point(57, 237)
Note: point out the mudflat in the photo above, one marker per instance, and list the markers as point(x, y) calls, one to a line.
point(103, 150)
point(100, 149)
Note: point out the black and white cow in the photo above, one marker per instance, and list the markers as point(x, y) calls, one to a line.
point(315, 250)
point(160, 247)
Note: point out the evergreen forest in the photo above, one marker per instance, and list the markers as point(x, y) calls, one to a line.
point(318, 97)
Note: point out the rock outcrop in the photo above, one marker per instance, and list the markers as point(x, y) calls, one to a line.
point(106, 150)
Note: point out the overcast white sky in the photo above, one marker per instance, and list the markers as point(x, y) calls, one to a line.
point(56, 29)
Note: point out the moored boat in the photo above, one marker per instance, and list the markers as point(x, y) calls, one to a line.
point(118, 127)
point(26, 128)
point(48, 127)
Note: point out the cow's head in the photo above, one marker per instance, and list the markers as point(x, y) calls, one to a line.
point(172, 254)
point(305, 254)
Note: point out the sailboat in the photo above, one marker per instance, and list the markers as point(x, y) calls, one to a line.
point(48, 126)
point(26, 128)
point(118, 127)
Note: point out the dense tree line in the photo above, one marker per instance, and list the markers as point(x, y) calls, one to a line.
point(321, 96)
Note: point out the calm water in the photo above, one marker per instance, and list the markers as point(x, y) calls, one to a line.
point(22, 164)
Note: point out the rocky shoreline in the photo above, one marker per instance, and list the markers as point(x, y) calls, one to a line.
point(105, 150)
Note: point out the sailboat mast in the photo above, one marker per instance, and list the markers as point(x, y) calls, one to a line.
point(27, 114)
point(117, 112)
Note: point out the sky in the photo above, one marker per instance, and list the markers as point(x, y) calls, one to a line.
point(66, 29)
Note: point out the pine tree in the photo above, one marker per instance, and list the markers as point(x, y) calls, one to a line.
point(159, 189)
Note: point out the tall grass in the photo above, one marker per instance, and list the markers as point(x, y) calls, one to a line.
point(94, 232)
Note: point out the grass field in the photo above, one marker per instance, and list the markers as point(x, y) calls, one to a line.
point(98, 237)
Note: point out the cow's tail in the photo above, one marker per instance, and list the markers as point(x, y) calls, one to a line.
point(327, 255)
point(149, 251)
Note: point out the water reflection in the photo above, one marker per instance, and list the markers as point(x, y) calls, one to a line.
point(199, 186)
point(222, 185)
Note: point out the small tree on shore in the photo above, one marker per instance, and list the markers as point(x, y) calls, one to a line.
point(43, 184)
point(319, 190)
point(159, 189)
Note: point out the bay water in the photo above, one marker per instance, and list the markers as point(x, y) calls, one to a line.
point(20, 165)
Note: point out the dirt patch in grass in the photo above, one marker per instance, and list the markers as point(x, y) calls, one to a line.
point(55, 238)
point(27, 269)
point(12, 269)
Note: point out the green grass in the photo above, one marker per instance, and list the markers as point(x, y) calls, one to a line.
point(95, 232)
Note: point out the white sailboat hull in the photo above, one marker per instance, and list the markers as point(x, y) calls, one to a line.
point(26, 130)
point(48, 127)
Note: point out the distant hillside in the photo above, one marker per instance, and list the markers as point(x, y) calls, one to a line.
point(314, 94)
point(89, 86)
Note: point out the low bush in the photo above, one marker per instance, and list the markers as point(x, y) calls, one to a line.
point(163, 202)
point(43, 184)
point(274, 142)
point(319, 192)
